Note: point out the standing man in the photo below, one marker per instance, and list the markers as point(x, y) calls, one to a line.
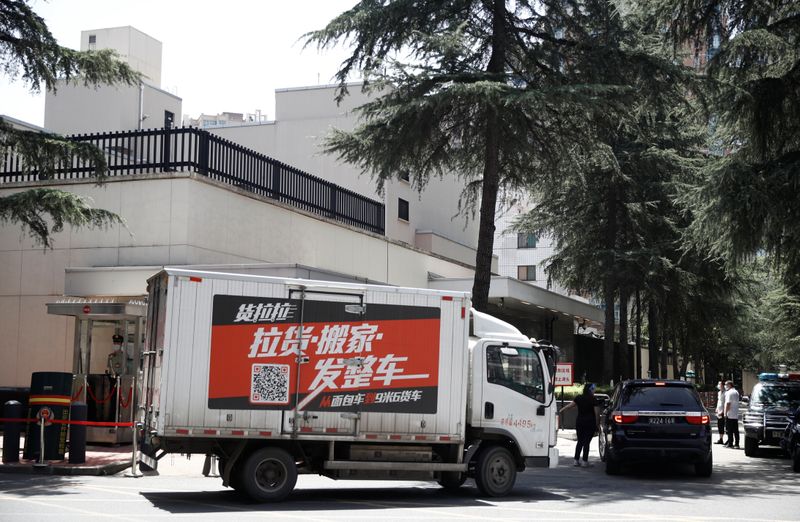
point(732, 415)
point(720, 411)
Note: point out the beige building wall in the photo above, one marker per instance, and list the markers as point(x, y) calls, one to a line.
point(75, 109)
point(175, 219)
point(137, 49)
point(306, 116)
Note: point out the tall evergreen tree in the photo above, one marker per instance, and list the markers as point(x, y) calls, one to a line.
point(610, 210)
point(471, 88)
point(30, 53)
point(748, 200)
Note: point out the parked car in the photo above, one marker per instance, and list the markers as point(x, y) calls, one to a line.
point(655, 421)
point(774, 398)
point(791, 440)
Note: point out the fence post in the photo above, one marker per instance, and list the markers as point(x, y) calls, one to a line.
point(276, 180)
point(202, 151)
point(332, 205)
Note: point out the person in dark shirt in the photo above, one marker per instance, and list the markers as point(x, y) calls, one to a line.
point(585, 424)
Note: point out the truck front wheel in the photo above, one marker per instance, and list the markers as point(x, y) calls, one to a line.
point(495, 472)
point(268, 475)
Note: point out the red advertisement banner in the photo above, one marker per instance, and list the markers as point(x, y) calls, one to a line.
point(386, 359)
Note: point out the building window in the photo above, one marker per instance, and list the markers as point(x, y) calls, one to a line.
point(405, 176)
point(526, 273)
point(526, 240)
point(402, 209)
point(92, 38)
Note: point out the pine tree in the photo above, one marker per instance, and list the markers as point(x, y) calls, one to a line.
point(30, 53)
point(471, 88)
point(748, 200)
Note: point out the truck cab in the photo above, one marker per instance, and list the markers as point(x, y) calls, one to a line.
point(511, 393)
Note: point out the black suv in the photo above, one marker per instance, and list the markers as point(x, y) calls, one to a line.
point(773, 400)
point(647, 420)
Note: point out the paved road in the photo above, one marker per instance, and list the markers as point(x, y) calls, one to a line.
point(738, 490)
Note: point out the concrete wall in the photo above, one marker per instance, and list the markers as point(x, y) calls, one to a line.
point(140, 51)
point(75, 109)
point(175, 220)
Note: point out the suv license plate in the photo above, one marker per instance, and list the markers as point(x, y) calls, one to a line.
point(662, 420)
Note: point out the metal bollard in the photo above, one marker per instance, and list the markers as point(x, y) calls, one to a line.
point(136, 427)
point(41, 462)
point(78, 411)
point(11, 431)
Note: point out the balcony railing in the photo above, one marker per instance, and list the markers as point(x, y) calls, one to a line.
point(189, 149)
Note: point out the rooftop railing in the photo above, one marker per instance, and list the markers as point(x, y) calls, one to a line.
point(187, 149)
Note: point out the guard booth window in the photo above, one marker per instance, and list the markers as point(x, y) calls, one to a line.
point(516, 368)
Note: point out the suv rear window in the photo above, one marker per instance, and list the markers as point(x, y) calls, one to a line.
point(659, 398)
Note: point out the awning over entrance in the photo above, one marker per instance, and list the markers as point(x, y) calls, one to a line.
point(99, 309)
point(520, 297)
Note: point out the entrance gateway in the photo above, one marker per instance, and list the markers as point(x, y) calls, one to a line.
point(106, 360)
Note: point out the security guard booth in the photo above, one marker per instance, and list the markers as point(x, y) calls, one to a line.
point(106, 360)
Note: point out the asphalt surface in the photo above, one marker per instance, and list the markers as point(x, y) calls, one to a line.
point(741, 488)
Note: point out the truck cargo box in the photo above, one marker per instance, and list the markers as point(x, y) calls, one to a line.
point(226, 358)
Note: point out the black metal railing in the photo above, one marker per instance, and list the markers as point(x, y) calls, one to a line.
point(189, 149)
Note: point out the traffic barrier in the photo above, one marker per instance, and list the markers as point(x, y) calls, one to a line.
point(77, 433)
point(11, 431)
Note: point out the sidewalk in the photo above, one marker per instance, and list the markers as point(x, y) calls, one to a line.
point(100, 460)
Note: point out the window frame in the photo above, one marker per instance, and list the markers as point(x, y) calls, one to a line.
point(525, 243)
point(527, 273)
point(539, 396)
point(400, 204)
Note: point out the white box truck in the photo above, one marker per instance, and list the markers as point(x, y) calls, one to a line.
point(278, 376)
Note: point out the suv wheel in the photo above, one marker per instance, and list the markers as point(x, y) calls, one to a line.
point(704, 469)
point(750, 446)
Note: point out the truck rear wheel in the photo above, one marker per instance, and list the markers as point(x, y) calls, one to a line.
point(495, 472)
point(268, 475)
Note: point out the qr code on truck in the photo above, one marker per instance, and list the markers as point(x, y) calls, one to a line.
point(269, 384)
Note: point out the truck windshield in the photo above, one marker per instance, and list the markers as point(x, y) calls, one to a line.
point(516, 368)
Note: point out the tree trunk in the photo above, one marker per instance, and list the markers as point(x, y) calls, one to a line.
point(675, 370)
point(608, 342)
point(652, 340)
point(638, 355)
point(491, 171)
point(610, 280)
point(624, 297)
point(685, 352)
point(663, 373)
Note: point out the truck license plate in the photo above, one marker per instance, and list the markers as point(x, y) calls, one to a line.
point(662, 420)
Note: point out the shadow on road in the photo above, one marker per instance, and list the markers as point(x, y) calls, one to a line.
point(338, 499)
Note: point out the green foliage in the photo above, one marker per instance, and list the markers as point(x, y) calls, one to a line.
point(747, 200)
point(479, 90)
point(30, 53)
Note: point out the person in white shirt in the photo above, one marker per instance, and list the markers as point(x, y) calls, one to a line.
point(720, 411)
point(731, 415)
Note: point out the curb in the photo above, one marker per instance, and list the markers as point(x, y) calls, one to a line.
point(105, 469)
